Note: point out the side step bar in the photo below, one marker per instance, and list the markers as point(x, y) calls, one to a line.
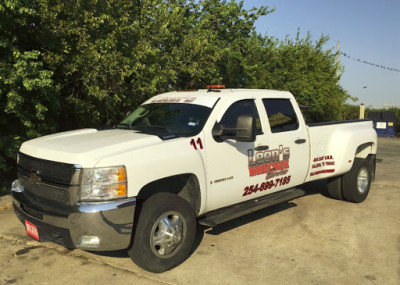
point(225, 214)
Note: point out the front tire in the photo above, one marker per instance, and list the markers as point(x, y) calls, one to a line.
point(357, 182)
point(164, 234)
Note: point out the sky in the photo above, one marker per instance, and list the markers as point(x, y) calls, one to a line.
point(366, 29)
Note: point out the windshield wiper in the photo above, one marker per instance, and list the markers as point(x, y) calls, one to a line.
point(141, 128)
point(160, 131)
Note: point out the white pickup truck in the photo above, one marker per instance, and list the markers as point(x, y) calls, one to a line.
point(182, 159)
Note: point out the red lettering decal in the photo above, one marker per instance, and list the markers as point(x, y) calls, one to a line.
point(261, 169)
point(193, 144)
point(286, 164)
point(248, 190)
point(198, 142)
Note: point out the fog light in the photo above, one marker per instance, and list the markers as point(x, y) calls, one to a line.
point(17, 187)
point(89, 241)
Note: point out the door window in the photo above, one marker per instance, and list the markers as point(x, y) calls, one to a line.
point(240, 108)
point(281, 115)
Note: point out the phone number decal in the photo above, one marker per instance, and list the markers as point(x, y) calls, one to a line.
point(248, 190)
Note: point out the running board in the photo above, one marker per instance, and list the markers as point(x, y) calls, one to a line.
point(225, 214)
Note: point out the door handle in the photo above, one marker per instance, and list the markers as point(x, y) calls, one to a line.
point(300, 141)
point(261, 147)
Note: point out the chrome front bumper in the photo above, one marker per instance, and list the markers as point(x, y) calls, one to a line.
point(97, 226)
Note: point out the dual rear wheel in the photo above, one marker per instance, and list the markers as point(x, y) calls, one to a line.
point(354, 185)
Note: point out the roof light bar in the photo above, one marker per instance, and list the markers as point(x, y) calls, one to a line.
point(216, 86)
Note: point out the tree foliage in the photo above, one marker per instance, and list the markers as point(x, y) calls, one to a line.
point(303, 68)
point(85, 63)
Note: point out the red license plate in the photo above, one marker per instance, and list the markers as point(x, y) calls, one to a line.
point(31, 230)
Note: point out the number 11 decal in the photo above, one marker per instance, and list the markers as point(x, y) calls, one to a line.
point(198, 142)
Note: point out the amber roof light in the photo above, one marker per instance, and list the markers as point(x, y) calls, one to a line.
point(216, 86)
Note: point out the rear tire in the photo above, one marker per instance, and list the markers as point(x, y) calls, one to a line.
point(335, 187)
point(164, 234)
point(357, 182)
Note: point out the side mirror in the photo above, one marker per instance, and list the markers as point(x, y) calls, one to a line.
point(218, 131)
point(246, 129)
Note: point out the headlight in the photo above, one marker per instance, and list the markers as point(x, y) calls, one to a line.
point(103, 183)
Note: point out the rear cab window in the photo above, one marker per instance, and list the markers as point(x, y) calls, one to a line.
point(281, 115)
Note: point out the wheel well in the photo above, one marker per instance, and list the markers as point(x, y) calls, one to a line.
point(364, 150)
point(184, 185)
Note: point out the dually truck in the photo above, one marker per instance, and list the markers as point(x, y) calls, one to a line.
point(182, 159)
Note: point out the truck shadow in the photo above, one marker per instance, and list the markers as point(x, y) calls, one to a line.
point(316, 187)
point(249, 218)
point(123, 253)
point(238, 222)
point(311, 188)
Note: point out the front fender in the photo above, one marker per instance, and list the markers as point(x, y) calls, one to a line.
point(169, 158)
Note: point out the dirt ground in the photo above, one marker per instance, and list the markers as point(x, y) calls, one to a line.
point(310, 240)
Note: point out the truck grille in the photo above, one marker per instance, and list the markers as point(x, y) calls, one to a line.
point(50, 180)
point(47, 170)
point(46, 191)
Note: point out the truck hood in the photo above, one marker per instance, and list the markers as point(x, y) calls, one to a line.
point(87, 146)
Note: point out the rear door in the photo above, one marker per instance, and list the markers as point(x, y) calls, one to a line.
point(286, 133)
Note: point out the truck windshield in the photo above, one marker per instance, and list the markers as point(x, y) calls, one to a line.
point(167, 119)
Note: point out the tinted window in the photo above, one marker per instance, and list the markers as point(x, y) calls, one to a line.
point(240, 108)
point(281, 115)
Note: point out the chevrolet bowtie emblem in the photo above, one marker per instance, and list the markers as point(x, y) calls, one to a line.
point(34, 177)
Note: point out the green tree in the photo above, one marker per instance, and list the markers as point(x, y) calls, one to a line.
point(228, 30)
point(26, 86)
point(350, 112)
point(303, 68)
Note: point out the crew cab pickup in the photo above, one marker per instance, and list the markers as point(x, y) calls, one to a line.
point(182, 159)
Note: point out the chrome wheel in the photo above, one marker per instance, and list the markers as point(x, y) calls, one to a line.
point(362, 180)
point(167, 234)
point(356, 183)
